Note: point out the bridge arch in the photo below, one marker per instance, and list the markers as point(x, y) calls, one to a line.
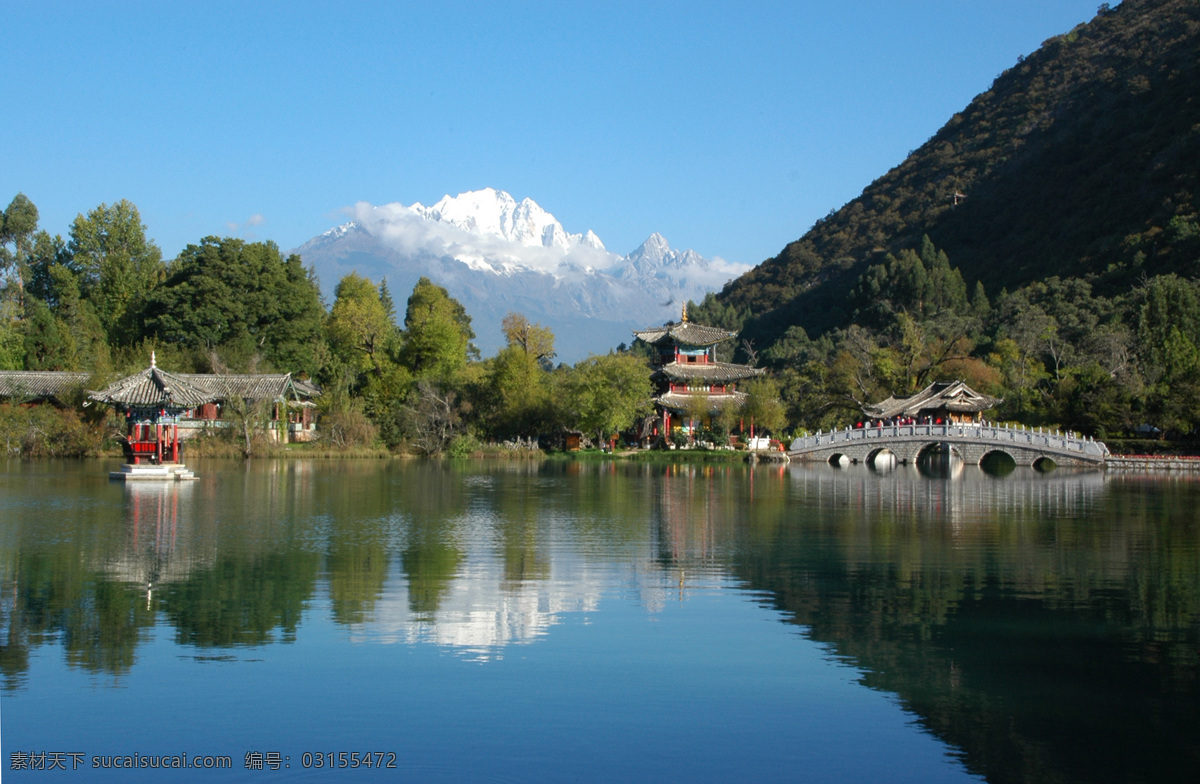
point(998, 461)
point(882, 457)
point(998, 453)
point(1045, 464)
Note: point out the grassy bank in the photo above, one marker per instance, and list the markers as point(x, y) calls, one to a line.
point(653, 455)
point(224, 446)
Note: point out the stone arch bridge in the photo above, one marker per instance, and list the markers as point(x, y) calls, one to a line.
point(971, 442)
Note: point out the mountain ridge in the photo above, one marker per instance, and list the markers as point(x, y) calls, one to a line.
point(496, 255)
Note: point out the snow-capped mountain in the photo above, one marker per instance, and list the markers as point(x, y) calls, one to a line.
point(496, 214)
point(496, 255)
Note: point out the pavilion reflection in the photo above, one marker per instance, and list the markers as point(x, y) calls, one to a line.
point(159, 537)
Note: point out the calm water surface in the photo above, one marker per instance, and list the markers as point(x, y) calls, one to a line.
point(599, 622)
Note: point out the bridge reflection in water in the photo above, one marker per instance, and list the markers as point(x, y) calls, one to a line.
point(970, 442)
point(968, 494)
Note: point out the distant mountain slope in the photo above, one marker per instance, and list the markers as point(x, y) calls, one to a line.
point(496, 255)
point(1080, 160)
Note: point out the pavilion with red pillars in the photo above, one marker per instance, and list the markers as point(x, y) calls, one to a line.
point(152, 401)
point(685, 368)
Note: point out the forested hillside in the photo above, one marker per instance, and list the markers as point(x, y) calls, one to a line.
point(1080, 161)
point(1031, 245)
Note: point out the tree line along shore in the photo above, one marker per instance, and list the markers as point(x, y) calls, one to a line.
point(412, 382)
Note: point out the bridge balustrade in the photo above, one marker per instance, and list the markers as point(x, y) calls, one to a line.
point(1051, 442)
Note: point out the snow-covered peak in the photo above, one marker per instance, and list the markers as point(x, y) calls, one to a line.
point(494, 213)
point(338, 231)
point(655, 249)
point(592, 241)
point(490, 231)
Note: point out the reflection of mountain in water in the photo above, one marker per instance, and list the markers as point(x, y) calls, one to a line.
point(1048, 626)
point(479, 613)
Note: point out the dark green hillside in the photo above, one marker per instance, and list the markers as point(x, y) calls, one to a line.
point(1080, 161)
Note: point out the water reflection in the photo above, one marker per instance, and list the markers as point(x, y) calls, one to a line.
point(1046, 625)
point(156, 550)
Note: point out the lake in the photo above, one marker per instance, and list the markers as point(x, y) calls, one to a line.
point(598, 622)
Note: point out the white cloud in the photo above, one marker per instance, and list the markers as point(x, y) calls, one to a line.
point(257, 219)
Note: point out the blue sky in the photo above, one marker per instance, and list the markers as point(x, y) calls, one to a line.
point(729, 128)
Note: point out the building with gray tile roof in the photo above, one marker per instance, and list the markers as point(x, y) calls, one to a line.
point(686, 369)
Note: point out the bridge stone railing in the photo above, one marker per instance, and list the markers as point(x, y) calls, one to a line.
point(973, 441)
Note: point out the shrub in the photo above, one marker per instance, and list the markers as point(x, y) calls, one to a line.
point(463, 445)
point(348, 429)
point(45, 431)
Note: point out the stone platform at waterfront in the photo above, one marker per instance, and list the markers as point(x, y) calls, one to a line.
point(1152, 462)
point(161, 472)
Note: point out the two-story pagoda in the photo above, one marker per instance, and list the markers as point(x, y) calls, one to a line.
point(686, 367)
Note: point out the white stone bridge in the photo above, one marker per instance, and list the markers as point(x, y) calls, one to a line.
point(971, 442)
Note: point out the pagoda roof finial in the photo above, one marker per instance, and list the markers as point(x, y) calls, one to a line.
point(153, 364)
point(685, 313)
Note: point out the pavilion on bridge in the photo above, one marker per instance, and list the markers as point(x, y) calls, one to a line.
point(940, 402)
point(686, 368)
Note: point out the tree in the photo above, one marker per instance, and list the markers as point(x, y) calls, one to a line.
point(518, 390)
point(726, 419)
point(437, 333)
point(358, 325)
point(435, 417)
point(117, 266)
point(365, 343)
point(12, 341)
point(763, 407)
point(242, 299)
point(608, 393)
point(1168, 331)
point(46, 345)
point(519, 394)
point(18, 226)
point(49, 256)
point(697, 409)
point(922, 285)
point(385, 299)
point(1168, 326)
point(248, 419)
point(76, 317)
point(532, 339)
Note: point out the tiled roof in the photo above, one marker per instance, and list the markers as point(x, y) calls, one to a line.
point(306, 388)
point(253, 386)
point(154, 387)
point(952, 396)
point(686, 334)
point(679, 401)
point(709, 371)
point(39, 384)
